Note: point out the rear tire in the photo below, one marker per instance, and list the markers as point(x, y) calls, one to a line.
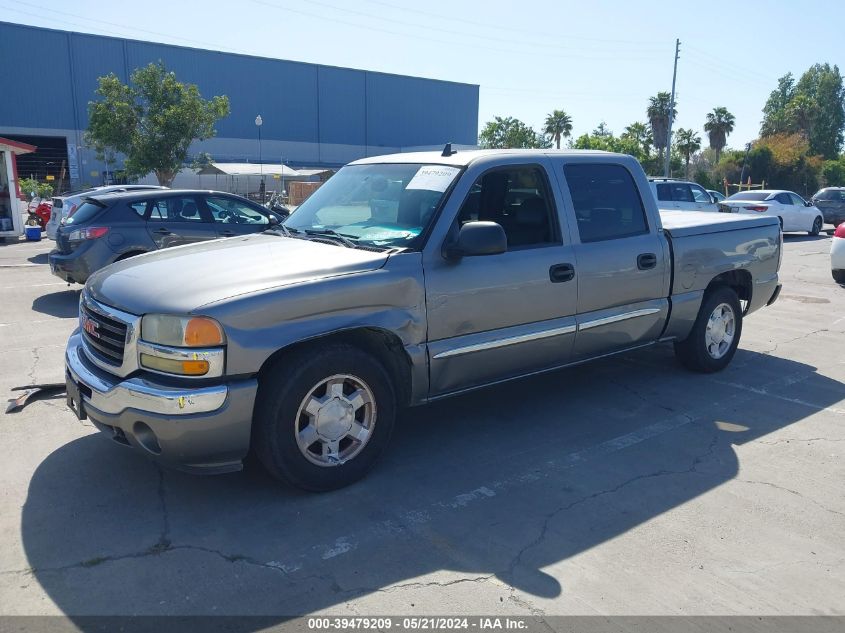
point(838, 276)
point(817, 226)
point(712, 343)
point(323, 416)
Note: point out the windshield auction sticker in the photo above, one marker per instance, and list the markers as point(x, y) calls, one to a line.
point(433, 178)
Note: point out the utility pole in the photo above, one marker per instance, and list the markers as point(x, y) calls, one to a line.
point(671, 111)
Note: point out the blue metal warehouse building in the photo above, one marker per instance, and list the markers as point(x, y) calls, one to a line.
point(314, 116)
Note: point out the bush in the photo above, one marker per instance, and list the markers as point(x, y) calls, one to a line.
point(31, 185)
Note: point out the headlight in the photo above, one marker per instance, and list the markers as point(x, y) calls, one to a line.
point(178, 331)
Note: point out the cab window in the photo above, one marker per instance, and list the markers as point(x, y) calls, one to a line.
point(606, 200)
point(518, 199)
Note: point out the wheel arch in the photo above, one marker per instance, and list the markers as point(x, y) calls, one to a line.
point(739, 281)
point(385, 345)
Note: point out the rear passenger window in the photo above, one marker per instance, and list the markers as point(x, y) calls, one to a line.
point(606, 200)
point(518, 199)
point(664, 193)
point(181, 209)
point(139, 207)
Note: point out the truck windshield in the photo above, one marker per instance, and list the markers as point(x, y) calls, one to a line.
point(381, 205)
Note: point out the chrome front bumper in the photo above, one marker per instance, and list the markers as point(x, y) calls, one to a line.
point(109, 394)
point(201, 429)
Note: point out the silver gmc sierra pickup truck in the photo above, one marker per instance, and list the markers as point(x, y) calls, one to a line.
point(404, 279)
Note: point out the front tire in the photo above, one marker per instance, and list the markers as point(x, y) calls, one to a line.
point(712, 343)
point(817, 226)
point(323, 416)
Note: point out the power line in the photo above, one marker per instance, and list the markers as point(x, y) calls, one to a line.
point(122, 27)
point(405, 23)
point(510, 28)
point(451, 43)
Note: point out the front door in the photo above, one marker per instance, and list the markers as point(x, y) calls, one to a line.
point(622, 261)
point(498, 316)
point(236, 217)
point(179, 219)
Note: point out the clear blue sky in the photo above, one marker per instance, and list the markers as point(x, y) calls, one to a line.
point(600, 61)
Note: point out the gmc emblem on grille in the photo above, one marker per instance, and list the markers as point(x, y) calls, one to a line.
point(90, 326)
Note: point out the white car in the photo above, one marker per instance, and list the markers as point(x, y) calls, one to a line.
point(837, 254)
point(681, 195)
point(717, 196)
point(795, 213)
point(66, 204)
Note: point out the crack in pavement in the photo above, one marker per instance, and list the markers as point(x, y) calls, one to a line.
point(790, 491)
point(793, 340)
point(517, 560)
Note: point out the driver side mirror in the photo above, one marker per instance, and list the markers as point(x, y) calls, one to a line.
point(808, 203)
point(273, 220)
point(478, 238)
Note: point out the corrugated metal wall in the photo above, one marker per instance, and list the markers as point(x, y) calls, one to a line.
point(312, 114)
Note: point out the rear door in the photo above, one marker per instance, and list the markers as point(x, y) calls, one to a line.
point(235, 216)
point(622, 260)
point(683, 196)
point(179, 219)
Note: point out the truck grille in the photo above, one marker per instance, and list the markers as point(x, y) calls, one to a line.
point(104, 335)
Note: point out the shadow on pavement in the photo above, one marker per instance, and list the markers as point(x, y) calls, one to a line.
point(502, 482)
point(41, 258)
point(64, 304)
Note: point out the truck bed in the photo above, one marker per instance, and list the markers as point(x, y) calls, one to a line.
point(687, 223)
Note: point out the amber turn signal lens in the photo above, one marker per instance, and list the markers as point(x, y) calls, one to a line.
point(173, 366)
point(202, 332)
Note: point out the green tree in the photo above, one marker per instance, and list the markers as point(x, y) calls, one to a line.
point(833, 172)
point(775, 117)
point(819, 101)
point(658, 111)
point(719, 124)
point(558, 124)
point(602, 130)
point(813, 107)
point(687, 142)
point(152, 121)
point(508, 132)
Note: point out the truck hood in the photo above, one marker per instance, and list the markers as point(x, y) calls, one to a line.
point(182, 279)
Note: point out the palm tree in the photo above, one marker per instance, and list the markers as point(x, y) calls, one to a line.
point(658, 117)
point(558, 124)
point(719, 124)
point(687, 143)
point(640, 134)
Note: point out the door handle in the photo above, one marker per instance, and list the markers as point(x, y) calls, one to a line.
point(561, 272)
point(646, 261)
point(162, 231)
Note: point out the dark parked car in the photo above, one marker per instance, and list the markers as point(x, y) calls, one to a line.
point(110, 227)
point(831, 202)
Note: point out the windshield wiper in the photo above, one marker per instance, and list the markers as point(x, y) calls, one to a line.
point(281, 229)
point(332, 234)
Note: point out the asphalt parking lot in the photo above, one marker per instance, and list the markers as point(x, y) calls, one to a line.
point(628, 486)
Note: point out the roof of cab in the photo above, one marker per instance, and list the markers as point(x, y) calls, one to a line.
point(462, 158)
